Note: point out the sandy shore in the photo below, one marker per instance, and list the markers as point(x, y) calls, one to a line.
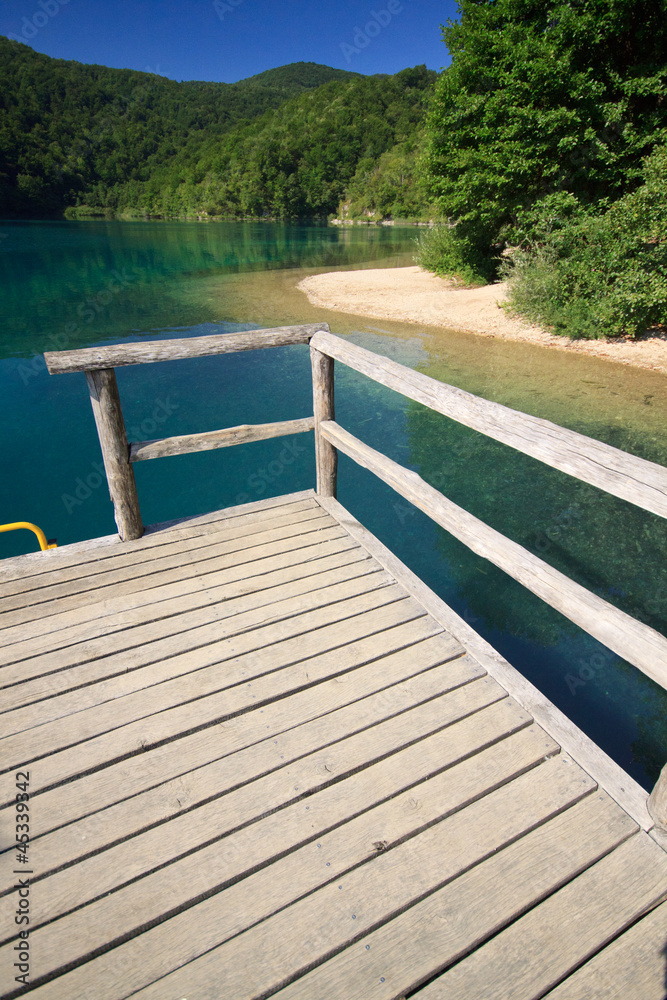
point(410, 295)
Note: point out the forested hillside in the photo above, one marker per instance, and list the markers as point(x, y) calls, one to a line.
point(297, 161)
point(68, 130)
point(88, 140)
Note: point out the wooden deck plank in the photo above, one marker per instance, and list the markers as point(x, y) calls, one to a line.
point(197, 874)
point(136, 736)
point(404, 714)
point(356, 902)
point(632, 966)
point(189, 584)
point(529, 957)
point(452, 921)
point(48, 701)
point(233, 716)
point(153, 569)
point(35, 566)
point(201, 747)
point(468, 772)
point(299, 724)
point(122, 621)
point(57, 706)
point(94, 659)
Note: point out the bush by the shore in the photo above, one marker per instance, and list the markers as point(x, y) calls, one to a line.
point(595, 275)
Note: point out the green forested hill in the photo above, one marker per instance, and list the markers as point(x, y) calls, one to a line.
point(93, 140)
point(68, 130)
point(296, 161)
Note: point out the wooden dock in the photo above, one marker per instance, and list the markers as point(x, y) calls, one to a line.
point(261, 758)
point(259, 766)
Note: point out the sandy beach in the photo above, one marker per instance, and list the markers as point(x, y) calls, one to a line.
point(411, 295)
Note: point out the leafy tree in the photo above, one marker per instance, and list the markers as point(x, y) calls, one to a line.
point(542, 98)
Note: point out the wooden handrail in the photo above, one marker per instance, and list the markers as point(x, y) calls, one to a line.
point(99, 364)
point(625, 476)
point(635, 642)
point(184, 444)
point(94, 358)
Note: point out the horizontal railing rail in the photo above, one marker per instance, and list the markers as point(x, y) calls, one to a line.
point(147, 352)
point(635, 642)
point(625, 476)
point(184, 444)
point(601, 465)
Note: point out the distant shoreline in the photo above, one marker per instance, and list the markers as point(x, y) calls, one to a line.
point(411, 295)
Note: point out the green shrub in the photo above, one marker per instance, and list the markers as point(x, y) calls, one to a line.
point(445, 251)
point(595, 275)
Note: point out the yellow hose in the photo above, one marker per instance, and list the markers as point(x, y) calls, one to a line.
point(41, 537)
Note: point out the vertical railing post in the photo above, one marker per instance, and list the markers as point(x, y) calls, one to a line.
point(657, 803)
point(115, 452)
point(326, 456)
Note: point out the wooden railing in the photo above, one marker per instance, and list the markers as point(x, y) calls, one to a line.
point(633, 479)
point(118, 454)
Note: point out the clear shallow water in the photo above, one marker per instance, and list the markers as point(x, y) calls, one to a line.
point(73, 284)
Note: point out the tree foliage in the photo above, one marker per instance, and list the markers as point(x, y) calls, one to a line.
point(542, 98)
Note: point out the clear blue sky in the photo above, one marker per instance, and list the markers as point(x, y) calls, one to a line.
point(228, 40)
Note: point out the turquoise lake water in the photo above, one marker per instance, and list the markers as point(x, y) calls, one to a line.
point(65, 285)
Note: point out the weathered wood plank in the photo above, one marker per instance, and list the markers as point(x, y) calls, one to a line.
point(403, 714)
point(108, 415)
point(114, 619)
point(67, 591)
point(615, 781)
point(634, 641)
point(632, 966)
point(98, 708)
point(184, 444)
point(195, 637)
point(634, 479)
point(93, 358)
point(326, 457)
point(452, 921)
point(300, 721)
point(134, 737)
point(541, 947)
point(217, 563)
point(179, 940)
point(43, 705)
point(657, 803)
point(30, 569)
point(374, 629)
point(21, 717)
point(355, 902)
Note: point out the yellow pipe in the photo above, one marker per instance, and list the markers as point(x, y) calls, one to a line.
point(41, 537)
